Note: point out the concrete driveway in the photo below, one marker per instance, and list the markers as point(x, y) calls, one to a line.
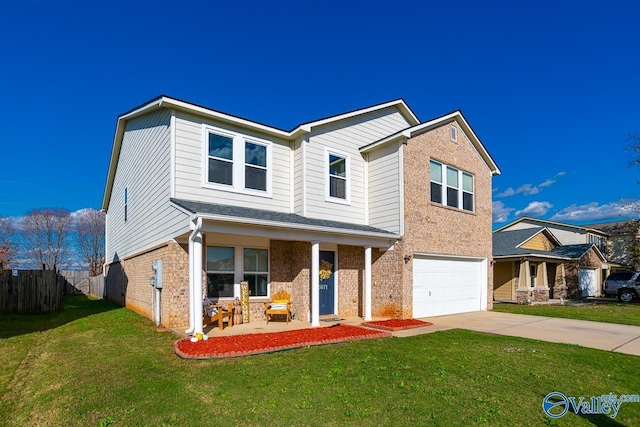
point(603, 336)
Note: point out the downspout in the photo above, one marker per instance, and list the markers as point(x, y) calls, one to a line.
point(192, 308)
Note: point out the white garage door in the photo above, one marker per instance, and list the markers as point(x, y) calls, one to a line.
point(587, 282)
point(448, 285)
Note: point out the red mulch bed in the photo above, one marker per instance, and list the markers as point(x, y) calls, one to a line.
point(245, 345)
point(397, 324)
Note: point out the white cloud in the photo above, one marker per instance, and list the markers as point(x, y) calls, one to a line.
point(535, 209)
point(593, 211)
point(500, 212)
point(530, 189)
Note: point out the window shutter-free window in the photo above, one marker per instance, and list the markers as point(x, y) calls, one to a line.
point(220, 159)
point(435, 170)
point(255, 170)
point(256, 271)
point(337, 177)
point(467, 191)
point(220, 272)
point(452, 187)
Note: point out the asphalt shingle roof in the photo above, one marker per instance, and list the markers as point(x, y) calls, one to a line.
point(505, 243)
point(265, 215)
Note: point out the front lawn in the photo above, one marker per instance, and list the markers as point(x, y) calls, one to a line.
point(605, 311)
point(96, 364)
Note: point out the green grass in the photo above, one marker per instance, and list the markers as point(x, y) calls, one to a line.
point(95, 364)
point(609, 311)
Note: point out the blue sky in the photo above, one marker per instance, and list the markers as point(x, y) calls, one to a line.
point(551, 88)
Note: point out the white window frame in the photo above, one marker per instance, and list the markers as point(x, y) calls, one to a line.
point(327, 177)
point(444, 184)
point(126, 203)
point(239, 163)
point(238, 273)
point(454, 133)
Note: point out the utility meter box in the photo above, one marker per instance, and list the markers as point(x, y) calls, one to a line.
point(156, 280)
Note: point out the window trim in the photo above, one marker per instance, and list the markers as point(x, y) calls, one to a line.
point(238, 163)
point(445, 186)
point(327, 177)
point(238, 268)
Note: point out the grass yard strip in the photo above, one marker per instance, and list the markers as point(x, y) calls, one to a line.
point(104, 365)
point(608, 312)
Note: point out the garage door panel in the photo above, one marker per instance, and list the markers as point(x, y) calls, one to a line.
point(447, 285)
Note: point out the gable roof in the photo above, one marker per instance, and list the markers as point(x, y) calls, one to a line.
point(544, 222)
point(418, 129)
point(508, 244)
point(164, 101)
point(617, 228)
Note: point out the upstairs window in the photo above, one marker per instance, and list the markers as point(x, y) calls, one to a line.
point(337, 180)
point(451, 186)
point(255, 167)
point(237, 162)
point(220, 159)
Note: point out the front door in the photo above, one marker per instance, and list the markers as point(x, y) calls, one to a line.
point(327, 283)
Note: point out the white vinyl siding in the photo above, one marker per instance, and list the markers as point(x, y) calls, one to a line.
point(298, 181)
point(564, 236)
point(189, 167)
point(345, 136)
point(144, 169)
point(384, 188)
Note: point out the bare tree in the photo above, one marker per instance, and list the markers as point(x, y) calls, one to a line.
point(46, 237)
point(7, 250)
point(90, 225)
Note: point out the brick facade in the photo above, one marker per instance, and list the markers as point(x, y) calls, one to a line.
point(432, 228)
point(127, 283)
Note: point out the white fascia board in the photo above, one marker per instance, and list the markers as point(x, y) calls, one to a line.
point(402, 134)
point(185, 106)
point(530, 255)
point(302, 227)
point(549, 234)
point(402, 106)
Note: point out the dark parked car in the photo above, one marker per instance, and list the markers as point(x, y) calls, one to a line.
point(623, 284)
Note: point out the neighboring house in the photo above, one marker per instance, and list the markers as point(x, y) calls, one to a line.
point(566, 234)
point(398, 212)
point(532, 265)
point(623, 242)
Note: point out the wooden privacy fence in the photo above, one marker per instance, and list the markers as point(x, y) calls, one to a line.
point(79, 283)
point(30, 291)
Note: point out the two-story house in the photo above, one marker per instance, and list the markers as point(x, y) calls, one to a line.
point(537, 259)
point(367, 213)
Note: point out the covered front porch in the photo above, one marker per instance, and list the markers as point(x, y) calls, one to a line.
point(325, 266)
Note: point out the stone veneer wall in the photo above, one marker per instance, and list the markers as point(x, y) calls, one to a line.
point(128, 283)
point(290, 266)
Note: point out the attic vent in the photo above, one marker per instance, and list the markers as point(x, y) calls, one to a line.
point(454, 133)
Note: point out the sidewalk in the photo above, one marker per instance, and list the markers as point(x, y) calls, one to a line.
point(603, 336)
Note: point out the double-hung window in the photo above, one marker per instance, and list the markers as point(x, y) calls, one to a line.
point(227, 266)
point(220, 159)
point(256, 271)
point(451, 186)
point(337, 188)
point(220, 272)
point(237, 162)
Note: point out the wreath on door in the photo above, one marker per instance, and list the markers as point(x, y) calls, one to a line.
point(325, 270)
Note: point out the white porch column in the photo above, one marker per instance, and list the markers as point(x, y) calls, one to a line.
point(315, 283)
point(196, 297)
point(367, 283)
